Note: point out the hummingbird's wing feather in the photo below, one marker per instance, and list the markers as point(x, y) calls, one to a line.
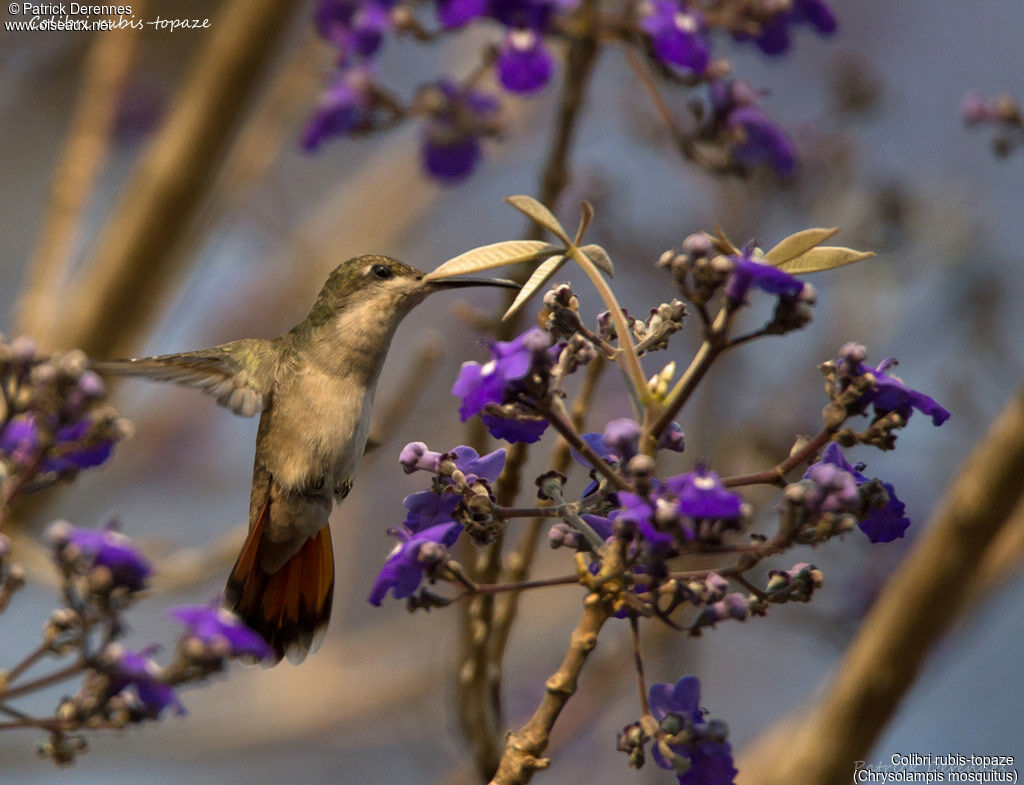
point(239, 375)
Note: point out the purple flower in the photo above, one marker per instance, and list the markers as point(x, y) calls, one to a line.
point(620, 439)
point(676, 34)
point(524, 63)
point(403, 570)
point(451, 136)
point(136, 669)
point(354, 26)
point(761, 141)
point(20, 439)
point(709, 754)
point(702, 495)
point(455, 13)
point(532, 14)
point(889, 393)
point(748, 272)
point(341, 108)
point(222, 630)
point(880, 523)
point(71, 450)
point(428, 508)
point(501, 380)
point(774, 37)
point(107, 547)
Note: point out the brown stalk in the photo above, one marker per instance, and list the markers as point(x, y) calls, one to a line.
point(140, 249)
point(84, 152)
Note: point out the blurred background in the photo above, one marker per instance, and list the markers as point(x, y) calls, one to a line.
point(875, 113)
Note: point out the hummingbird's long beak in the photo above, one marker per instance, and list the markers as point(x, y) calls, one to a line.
point(456, 283)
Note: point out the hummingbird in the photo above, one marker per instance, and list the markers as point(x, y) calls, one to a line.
point(313, 388)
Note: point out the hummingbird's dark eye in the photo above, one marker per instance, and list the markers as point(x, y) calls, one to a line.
point(381, 272)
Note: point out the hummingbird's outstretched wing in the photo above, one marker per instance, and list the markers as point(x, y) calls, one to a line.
point(240, 374)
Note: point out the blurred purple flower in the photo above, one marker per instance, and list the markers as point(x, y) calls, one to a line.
point(524, 63)
point(710, 756)
point(104, 547)
point(221, 629)
point(458, 118)
point(136, 669)
point(761, 141)
point(748, 273)
point(341, 107)
point(403, 570)
point(774, 37)
point(20, 439)
point(677, 34)
point(880, 524)
point(455, 13)
point(354, 26)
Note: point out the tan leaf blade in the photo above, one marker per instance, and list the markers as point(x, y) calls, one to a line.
point(796, 244)
point(539, 213)
point(599, 256)
point(824, 257)
point(487, 257)
point(540, 276)
point(586, 216)
point(723, 244)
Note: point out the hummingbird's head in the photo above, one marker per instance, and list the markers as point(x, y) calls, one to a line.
point(383, 285)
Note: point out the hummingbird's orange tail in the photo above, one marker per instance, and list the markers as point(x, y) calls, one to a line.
point(290, 608)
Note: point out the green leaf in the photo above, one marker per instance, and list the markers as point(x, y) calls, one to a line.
point(540, 276)
point(586, 216)
point(539, 213)
point(599, 256)
point(796, 244)
point(824, 257)
point(487, 257)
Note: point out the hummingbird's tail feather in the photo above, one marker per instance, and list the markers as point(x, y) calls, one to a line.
point(290, 607)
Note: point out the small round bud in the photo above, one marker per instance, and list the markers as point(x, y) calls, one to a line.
point(91, 385)
point(641, 466)
point(73, 363)
point(24, 348)
point(697, 244)
point(58, 533)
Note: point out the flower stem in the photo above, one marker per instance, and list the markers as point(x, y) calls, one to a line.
point(777, 474)
point(43, 682)
point(554, 411)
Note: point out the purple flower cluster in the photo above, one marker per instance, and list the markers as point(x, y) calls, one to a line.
point(430, 525)
point(136, 676)
point(836, 483)
point(671, 513)
point(106, 553)
point(688, 743)
point(516, 369)
point(54, 424)
point(888, 393)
